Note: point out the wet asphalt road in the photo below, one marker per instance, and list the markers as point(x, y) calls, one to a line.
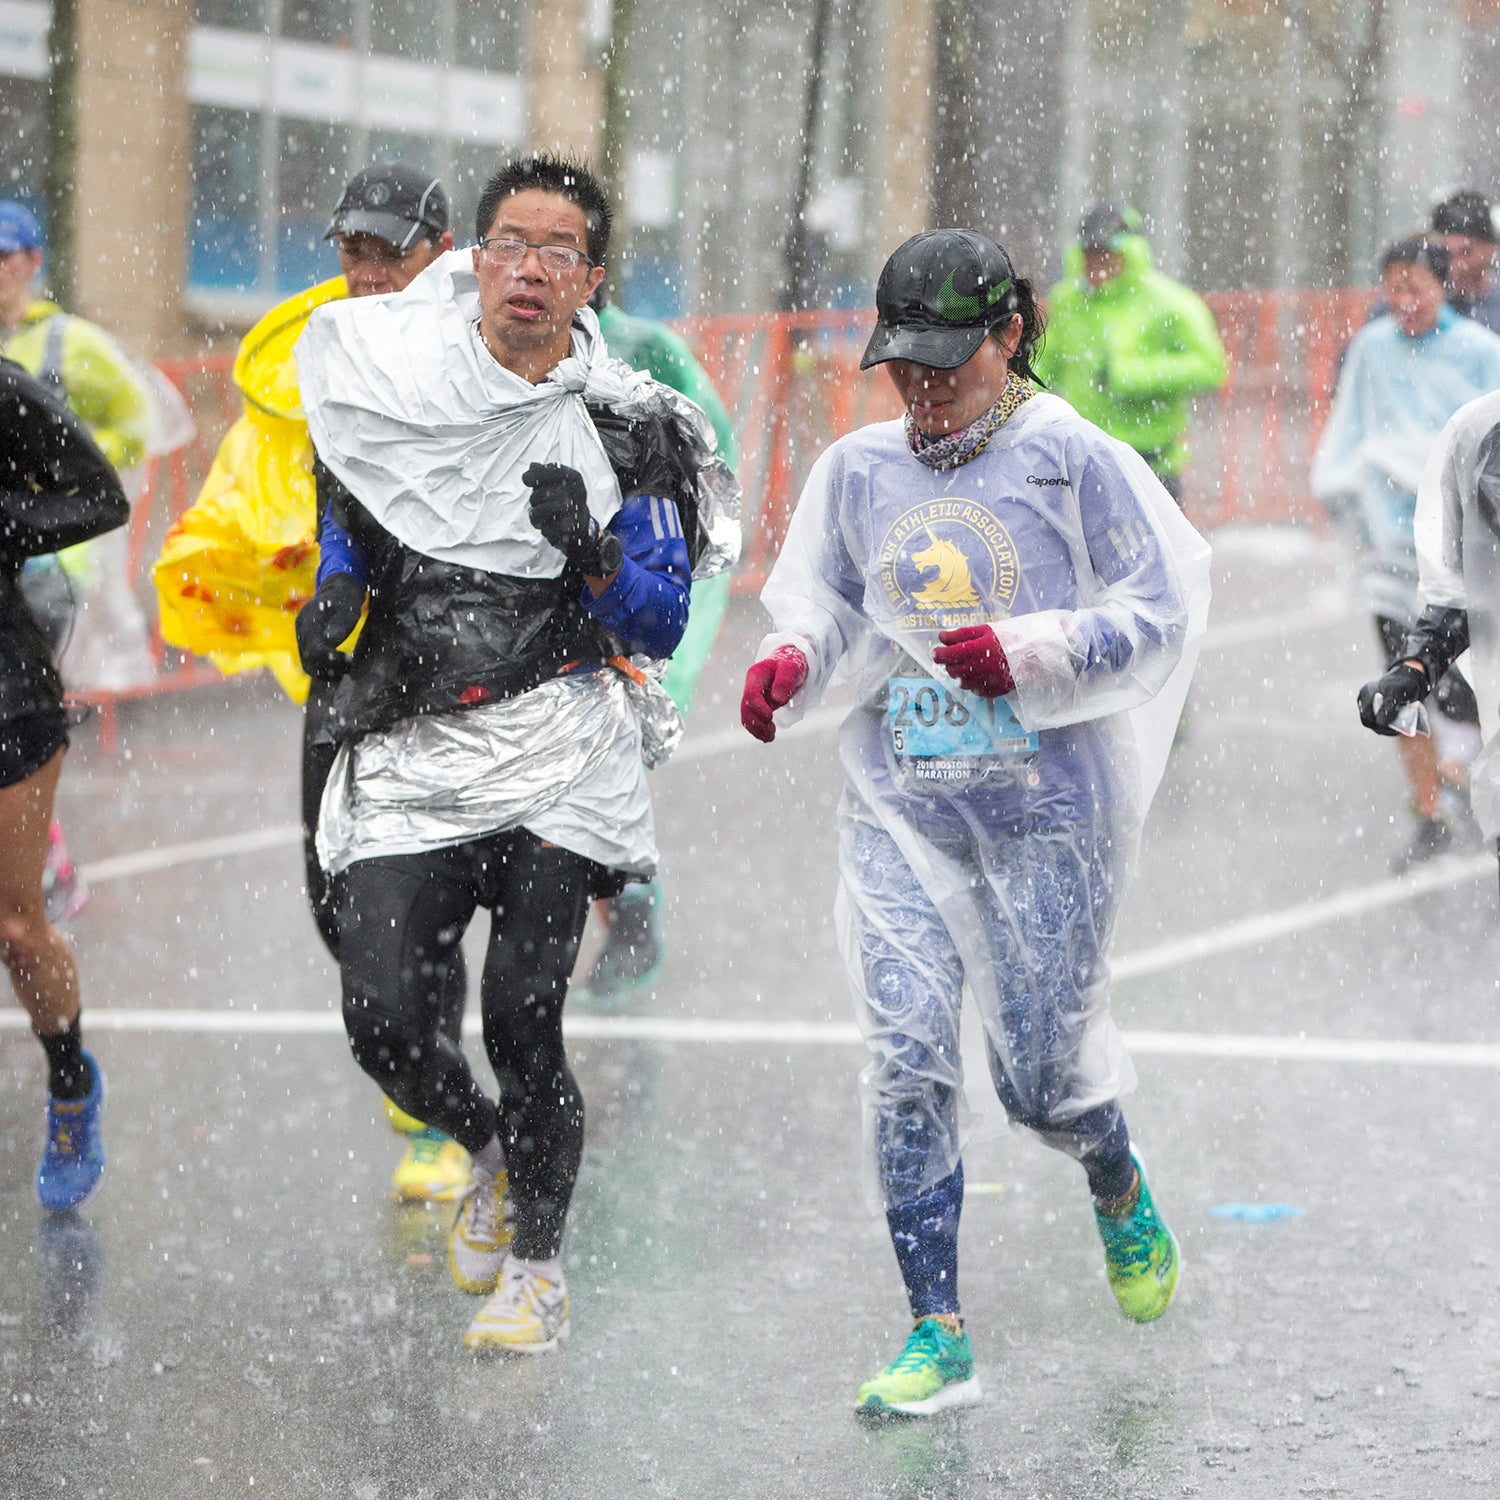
point(242, 1311)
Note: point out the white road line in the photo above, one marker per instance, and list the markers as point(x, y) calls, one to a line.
point(169, 856)
point(1309, 914)
point(703, 1031)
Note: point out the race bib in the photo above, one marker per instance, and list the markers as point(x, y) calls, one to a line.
point(927, 720)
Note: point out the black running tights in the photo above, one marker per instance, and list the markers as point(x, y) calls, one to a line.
point(402, 921)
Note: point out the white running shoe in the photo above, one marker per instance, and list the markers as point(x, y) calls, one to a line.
point(527, 1315)
point(480, 1234)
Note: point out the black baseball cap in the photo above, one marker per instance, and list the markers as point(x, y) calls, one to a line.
point(1103, 225)
point(1465, 213)
point(938, 296)
point(395, 201)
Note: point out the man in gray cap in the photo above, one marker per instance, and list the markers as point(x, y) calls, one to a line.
point(390, 224)
point(1466, 222)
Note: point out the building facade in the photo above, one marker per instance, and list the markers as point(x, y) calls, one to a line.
point(1268, 142)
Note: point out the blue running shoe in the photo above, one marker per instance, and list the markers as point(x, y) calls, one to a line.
point(73, 1158)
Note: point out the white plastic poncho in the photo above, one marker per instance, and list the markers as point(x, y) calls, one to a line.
point(1458, 557)
point(1394, 394)
point(985, 844)
point(412, 413)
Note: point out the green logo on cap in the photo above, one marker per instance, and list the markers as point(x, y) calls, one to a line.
point(957, 308)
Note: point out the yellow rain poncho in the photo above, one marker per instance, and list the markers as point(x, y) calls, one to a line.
point(241, 561)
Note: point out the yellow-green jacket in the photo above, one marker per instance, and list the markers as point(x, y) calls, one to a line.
point(242, 559)
point(1132, 355)
point(92, 374)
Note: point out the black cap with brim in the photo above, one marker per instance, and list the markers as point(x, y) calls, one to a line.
point(939, 348)
point(937, 297)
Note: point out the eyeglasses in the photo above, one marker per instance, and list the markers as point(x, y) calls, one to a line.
point(560, 260)
point(358, 247)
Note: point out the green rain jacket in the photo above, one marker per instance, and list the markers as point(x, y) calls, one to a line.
point(1131, 356)
point(650, 346)
point(95, 375)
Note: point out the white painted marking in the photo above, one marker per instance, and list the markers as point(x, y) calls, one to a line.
point(169, 856)
point(1309, 914)
point(703, 1031)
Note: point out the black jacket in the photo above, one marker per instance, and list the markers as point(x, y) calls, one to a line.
point(440, 637)
point(56, 488)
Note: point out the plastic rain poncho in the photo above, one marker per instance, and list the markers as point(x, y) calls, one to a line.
point(1394, 394)
point(986, 843)
point(238, 564)
point(1458, 554)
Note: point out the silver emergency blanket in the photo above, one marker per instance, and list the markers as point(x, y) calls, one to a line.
point(985, 845)
point(1458, 561)
point(411, 411)
point(563, 760)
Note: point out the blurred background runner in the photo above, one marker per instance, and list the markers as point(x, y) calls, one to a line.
point(240, 562)
point(1126, 346)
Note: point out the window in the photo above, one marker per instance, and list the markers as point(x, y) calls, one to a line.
point(400, 29)
point(290, 98)
point(23, 141)
point(327, 21)
point(312, 168)
point(225, 241)
point(233, 15)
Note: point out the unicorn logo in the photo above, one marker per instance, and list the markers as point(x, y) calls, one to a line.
point(951, 587)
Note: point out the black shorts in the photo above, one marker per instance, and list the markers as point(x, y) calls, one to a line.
point(1454, 697)
point(28, 743)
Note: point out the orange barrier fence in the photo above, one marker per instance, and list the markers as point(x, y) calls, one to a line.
point(792, 384)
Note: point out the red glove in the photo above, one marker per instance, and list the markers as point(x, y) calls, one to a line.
point(974, 656)
point(770, 684)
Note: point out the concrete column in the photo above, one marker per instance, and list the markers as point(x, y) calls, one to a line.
point(564, 81)
point(901, 163)
point(134, 169)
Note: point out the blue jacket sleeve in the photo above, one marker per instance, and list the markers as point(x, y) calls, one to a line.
point(338, 552)
point(646, 603)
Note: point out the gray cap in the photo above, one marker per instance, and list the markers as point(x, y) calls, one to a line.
point(394, 201)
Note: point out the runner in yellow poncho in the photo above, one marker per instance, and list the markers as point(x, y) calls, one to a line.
point(240, 562)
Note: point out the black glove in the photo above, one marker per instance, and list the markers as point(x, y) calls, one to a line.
point(1402, 684)
point(326, 621)
point(560, 511)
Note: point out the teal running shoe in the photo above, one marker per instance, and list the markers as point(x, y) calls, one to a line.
point(1140, 1255)
point(73, 1158)
point(933, 1372)
point(632, 954)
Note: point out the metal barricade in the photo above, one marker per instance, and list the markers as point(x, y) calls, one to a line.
point(792, 384)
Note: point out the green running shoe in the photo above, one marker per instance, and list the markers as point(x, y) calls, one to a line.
point(1140, 1256)
point(934, 1371)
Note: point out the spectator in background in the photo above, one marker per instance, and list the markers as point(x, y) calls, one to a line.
point(1404, 376)
point(1466, 223)
point(1127, 347)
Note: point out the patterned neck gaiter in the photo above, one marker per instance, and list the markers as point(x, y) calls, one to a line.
point(955, 448)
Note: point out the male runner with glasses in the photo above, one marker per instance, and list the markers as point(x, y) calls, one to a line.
point(238, 564)
point(523, 516)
